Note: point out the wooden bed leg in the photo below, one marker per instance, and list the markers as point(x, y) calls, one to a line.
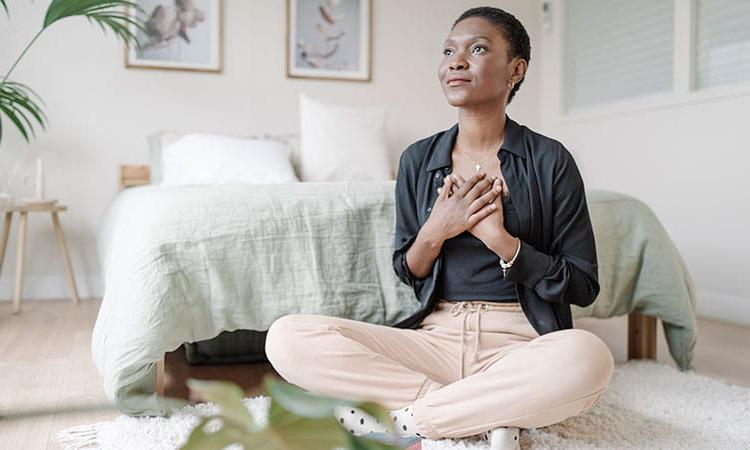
point(160, 377)
point(641, 336)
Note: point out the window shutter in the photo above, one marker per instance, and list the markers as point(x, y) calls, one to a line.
point(617, 49)
point(722, 53)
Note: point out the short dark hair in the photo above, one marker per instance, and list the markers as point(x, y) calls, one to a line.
point(512, 30)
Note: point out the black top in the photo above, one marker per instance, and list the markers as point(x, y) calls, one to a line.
point(471, 271)
point(556, 265)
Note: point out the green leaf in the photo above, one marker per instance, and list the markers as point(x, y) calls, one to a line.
point(306, 404)
point(227, 396)
point(200, 439)
point(298, 400)
point(298, 432)
point(5, 7)
point(17, 104)
point(108, 14)
point(13, 118)
point(317, 429)
point(16, 94)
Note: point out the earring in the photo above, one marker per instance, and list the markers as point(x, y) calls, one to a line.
point(510, 84)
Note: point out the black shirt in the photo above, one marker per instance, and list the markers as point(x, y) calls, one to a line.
point(471, 271)
point(556, 265)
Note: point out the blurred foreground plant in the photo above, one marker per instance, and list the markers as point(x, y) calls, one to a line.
point(297, 420)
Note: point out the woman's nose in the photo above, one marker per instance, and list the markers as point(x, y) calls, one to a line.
point(458, 64)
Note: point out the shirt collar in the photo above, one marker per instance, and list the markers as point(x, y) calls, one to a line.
point(441, 157)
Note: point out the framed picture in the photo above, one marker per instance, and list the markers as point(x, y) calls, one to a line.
point(181, 35)
point(328, 39)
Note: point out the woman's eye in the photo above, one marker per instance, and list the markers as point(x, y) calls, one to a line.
point(447, 50)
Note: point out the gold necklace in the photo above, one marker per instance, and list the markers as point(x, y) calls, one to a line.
point(478, 165)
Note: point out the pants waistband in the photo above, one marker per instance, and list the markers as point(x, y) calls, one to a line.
point(468, 306)
point(489, 304)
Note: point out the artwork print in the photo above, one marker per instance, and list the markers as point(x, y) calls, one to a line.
point(180, 34)
point(328, 39)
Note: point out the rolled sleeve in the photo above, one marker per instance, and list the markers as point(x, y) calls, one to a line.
point(530, 266)
point(570, 272)
point(407, 221)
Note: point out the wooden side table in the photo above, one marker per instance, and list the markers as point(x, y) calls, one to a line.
point(24, 211)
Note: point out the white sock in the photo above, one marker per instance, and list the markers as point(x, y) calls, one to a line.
point(502, 437)
point(359, 422)
point(403, 419)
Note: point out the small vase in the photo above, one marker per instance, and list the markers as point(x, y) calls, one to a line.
point(6, 199)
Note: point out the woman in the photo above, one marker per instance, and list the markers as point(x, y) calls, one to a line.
point(508, 239)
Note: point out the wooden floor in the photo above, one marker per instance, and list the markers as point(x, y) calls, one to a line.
point(46, 366)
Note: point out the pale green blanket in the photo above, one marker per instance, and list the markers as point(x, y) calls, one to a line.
point(182, 264)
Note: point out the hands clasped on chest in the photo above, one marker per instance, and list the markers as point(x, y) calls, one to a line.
point(474, 205)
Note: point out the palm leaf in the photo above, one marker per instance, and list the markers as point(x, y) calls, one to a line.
point(19, 106)
point(108, 14)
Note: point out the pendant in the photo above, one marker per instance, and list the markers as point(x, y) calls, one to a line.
point(478, 166)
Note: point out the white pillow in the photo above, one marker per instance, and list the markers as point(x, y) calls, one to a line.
point(197, 158)
point(342, 143)
point(157, 141)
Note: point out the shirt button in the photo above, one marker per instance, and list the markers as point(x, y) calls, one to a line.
point(429, 209)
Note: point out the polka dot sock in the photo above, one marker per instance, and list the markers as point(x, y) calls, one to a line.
point(360, 423)
point(403, 419)
point(502, 438)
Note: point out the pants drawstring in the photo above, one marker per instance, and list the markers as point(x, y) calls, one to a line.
point(457, 309)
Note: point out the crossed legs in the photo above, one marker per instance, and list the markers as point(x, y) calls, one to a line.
point(526, 384)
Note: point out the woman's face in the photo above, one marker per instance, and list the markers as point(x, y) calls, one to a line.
point(476, 51)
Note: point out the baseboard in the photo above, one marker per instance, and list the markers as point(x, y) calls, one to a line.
point(725, 307)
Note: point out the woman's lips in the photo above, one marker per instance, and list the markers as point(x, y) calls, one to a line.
point(457, 81)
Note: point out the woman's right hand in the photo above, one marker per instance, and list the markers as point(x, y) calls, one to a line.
point(453, 213)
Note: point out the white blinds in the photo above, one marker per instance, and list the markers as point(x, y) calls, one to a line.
point(722, 53)
point(617, 49)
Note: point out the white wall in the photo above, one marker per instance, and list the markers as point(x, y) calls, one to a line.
point(685, 156)
point(102, 112)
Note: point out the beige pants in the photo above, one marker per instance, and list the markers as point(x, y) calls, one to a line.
point(464, 375)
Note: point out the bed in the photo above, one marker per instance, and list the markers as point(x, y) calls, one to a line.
point(207, 269)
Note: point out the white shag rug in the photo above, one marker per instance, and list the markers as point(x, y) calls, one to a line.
point(647, 405)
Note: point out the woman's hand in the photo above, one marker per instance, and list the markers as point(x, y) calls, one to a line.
point(490, 229)
point(464, 208)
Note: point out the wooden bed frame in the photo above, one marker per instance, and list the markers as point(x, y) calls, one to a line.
point(173, 371)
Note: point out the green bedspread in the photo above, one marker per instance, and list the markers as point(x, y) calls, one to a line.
point(182, 264)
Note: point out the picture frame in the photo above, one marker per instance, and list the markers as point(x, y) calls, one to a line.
point(185, 35)
point(329, 39)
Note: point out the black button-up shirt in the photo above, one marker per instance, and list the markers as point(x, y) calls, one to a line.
point(556, 265)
